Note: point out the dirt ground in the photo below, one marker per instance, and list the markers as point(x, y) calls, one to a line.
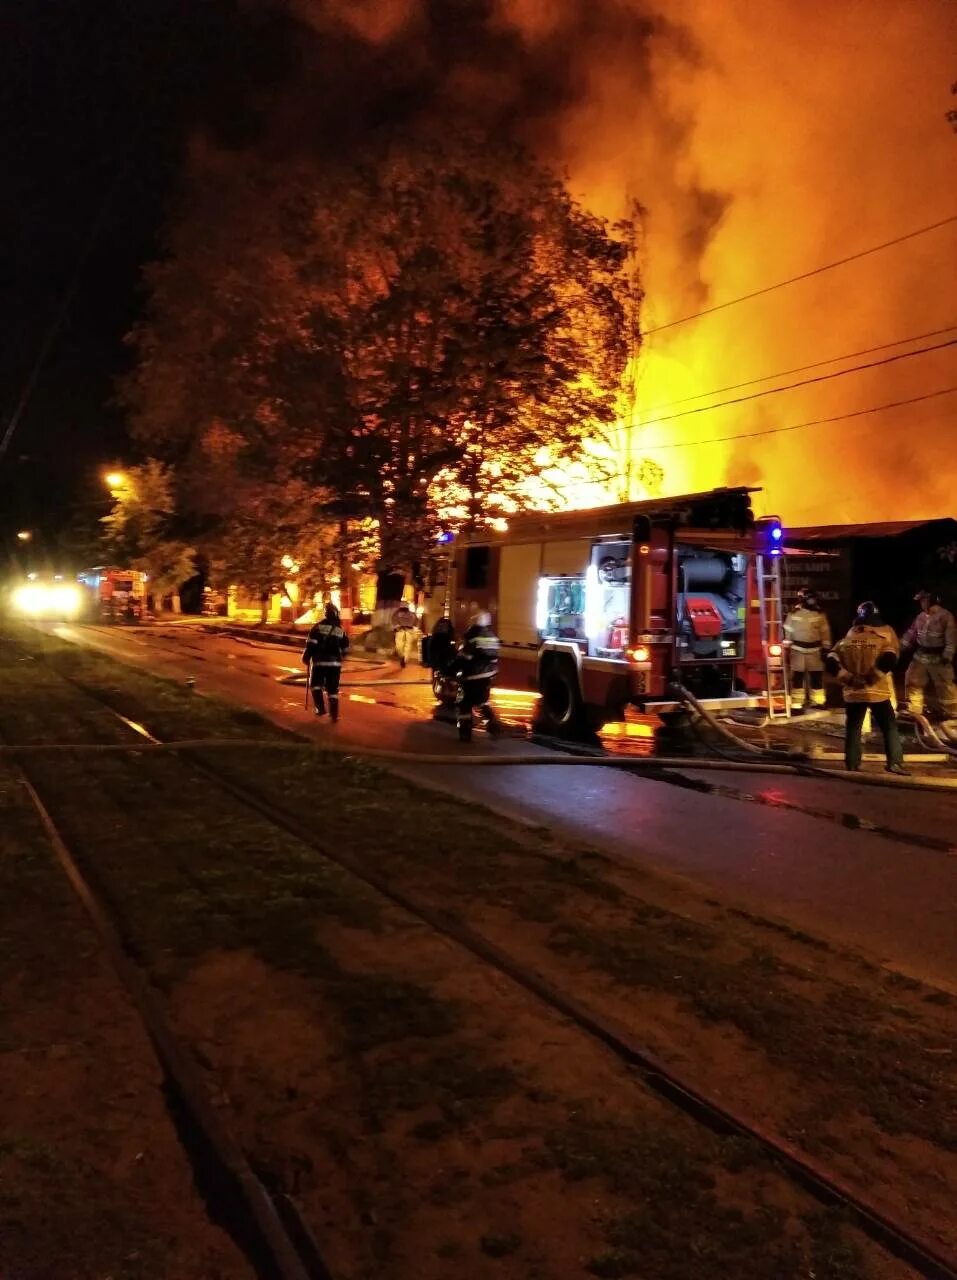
point(426, 1112)
point(93, 1180)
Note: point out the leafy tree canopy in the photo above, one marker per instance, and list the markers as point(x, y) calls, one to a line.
point(140, 531)
point(396, 340)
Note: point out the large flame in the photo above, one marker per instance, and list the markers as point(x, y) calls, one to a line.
point(797, 135)
point(762, 138)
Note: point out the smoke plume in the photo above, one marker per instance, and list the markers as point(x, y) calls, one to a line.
point(761, 139)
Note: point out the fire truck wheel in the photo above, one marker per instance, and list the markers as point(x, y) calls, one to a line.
point(563, 712)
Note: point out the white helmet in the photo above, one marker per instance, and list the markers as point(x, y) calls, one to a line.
point(483, 618)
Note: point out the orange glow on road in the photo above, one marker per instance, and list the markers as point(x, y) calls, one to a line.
point(627, 729)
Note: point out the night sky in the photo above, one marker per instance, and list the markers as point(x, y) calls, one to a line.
point(97, 99)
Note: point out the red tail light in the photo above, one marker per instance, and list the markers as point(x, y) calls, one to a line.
point(641, 654)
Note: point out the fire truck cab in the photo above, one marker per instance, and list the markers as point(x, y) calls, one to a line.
point(610, 607)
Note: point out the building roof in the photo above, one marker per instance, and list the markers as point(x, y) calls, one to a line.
point(731, 503)
point(845, 532)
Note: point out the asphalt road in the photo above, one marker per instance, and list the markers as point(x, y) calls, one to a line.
point(872, 867)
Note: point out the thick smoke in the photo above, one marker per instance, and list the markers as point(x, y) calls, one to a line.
point(823, 128)
point(761, 139)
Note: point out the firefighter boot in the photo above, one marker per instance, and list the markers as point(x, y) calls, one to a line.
point(333, 707)
point(319, 701)
point(492, 722)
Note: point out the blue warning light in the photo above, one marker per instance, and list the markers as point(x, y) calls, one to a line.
point(445, 537)
point(777, 533)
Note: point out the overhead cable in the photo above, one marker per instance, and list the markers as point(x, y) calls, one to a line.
point(816, 364)
point(791, 386)
point(805, 275)
point(799, 426)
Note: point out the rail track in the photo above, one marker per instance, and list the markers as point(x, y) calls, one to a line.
point(266, 1221)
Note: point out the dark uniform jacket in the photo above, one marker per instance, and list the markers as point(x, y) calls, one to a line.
point(478, 657)
point(326, 644)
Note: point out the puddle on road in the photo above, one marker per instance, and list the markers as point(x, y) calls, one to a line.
point(635, 735)
point(644, 736)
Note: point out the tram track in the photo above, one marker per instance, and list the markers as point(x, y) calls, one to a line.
point(922, 1254)
point(264, 1222)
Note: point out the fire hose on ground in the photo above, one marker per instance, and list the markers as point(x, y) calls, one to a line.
point(630, 764)
point(798, 762)
point(926, 734)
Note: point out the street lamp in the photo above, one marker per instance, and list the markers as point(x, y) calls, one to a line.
point(114, 479)
point(25, 535)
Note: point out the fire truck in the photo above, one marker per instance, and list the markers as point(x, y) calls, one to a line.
point(114, 594)
point(602, 609)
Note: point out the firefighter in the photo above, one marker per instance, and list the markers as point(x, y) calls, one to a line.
point(809, 634)
point(475, 666)
point(441, 644)
point(405, 632)
point(862, 663)
point(323, 656)
point(931, 640)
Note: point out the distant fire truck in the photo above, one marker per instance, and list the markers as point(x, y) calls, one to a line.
point(610, 607)
point(113, 594)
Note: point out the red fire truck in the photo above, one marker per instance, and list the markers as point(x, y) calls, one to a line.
point(610, 607)
point(113, 594)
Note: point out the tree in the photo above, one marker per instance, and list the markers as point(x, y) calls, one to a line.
point(140, 531)
point(403, 336)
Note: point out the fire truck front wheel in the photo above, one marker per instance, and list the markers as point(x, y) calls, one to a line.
point(563, 712)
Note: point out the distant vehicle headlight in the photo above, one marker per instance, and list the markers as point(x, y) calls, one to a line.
point(30, 599)
point(64, 599)
point(48, 600)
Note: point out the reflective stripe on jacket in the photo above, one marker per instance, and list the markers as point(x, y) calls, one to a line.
point(808, 628)
point(326, 644)
point(858, 652)
point(933, 633)
point(478, 657)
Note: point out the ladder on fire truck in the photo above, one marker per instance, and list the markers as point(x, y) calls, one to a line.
point(771, 614)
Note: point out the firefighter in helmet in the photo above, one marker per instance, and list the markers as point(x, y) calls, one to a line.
point(808, 633)
point(862, 663)
point(323, 656)
point(476, 666)
point(931, 640)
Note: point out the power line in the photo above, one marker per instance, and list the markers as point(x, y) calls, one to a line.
point(805, 275)
point(791, 386)
point(817, 364)
point(799, 426)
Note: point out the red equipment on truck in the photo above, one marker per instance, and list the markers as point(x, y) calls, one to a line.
point(626, 605)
